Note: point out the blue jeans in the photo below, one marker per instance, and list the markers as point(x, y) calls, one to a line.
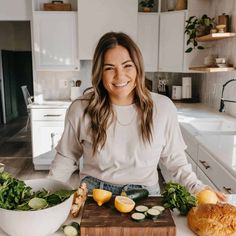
point(116, 189)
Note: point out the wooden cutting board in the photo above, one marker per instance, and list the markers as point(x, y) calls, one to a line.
point(107, 221)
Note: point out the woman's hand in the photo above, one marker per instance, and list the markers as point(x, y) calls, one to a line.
point(221, 196)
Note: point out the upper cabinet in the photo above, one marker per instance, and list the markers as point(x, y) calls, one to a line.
point(55, 38)
point(55, 41)
point(172, 40)
point(97, 17)
point(148, 36)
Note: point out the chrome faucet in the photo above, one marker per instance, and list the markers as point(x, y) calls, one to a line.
point(222, 100)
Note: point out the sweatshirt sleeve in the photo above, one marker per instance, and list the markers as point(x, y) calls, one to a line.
point(69, 151)
point(173, 156)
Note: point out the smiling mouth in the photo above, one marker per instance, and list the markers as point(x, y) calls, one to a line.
point(121, 84)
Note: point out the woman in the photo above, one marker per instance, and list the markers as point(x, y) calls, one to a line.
point(120, 128)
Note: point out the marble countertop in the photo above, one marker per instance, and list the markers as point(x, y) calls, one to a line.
point(51, 104)
point(222, 146)
point(182, 228)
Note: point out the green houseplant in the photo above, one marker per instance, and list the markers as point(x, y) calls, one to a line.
point(197, 27)
point(147, 5)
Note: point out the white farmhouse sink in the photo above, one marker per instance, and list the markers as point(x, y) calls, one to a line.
point(214, 126)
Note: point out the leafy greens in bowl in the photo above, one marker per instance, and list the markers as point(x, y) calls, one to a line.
point(41, 205)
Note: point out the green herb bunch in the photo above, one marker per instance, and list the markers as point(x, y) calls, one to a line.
point(176, 196)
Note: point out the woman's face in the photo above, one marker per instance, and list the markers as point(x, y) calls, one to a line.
point(119, 75)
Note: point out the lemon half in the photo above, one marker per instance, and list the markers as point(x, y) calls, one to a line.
point(124, 204)
point(101, 196)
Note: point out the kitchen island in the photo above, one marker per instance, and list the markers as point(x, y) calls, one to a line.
point(180, 222)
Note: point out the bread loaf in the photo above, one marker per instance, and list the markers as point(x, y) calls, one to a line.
point(213, 220)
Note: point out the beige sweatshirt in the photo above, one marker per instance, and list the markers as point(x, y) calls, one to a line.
point(125, 159)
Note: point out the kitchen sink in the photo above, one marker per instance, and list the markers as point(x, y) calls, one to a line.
point(214, 126)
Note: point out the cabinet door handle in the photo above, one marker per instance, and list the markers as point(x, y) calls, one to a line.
point(227, 189)
point(52, 115)
point(204, 164)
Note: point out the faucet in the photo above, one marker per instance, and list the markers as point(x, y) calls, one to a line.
point(222, 100)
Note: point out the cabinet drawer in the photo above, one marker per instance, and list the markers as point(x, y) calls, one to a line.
point(48, 114)
point(216, 172)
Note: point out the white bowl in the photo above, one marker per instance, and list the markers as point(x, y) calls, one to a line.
point(41, 222)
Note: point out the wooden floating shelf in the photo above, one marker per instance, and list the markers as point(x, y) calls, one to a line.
point(215, 36)
point(212, 69)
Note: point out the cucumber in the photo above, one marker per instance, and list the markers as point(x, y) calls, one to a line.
point(72, 229)
point(159, 208)
point(137, 216)
point(141, 208)
point(153, 213)
point(136, 194)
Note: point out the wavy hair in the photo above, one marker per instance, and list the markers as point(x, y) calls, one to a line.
point(99, 107)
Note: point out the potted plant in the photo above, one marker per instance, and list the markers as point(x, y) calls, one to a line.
point(147, 5)
point(197, 27)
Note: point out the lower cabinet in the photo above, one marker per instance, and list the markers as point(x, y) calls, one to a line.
point(223, 180)
point(47, 128)
point(205, 179)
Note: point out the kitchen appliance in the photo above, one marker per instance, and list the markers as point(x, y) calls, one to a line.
point(106, 220)
point(176, 92)
point(186, 87)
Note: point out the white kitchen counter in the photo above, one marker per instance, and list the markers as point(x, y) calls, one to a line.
point(221, 146)
point(180, 222)
point(61, 104)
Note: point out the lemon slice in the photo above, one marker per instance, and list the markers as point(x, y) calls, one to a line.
point(124, 204)
point(37, 203)
point(101, 196)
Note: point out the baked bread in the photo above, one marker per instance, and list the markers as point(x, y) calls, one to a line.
point(213, 220)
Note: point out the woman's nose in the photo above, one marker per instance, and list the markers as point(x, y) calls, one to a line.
point(119, 73)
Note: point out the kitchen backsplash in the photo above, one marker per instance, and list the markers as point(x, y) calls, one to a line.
point(211, 83)
point(52, 84)
point(211, 87)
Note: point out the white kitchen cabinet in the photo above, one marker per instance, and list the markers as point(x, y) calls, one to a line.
point(205, 180)
point(172, 41)
point(190, 160)
point(97, 17)
point(55, 40)
point(47, 128)
point(148, 37)
point(223, 180)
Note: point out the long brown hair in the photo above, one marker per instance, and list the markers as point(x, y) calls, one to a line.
point(99, 107)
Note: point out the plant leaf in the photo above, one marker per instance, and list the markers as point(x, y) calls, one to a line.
point(189, 50)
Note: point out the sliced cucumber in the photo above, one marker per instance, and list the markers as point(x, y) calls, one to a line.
point(153, 213)
point(136, 194)
point(70, 230)
point(37, 203)
point(137, 216)
point(141, 208)
point(159, 208)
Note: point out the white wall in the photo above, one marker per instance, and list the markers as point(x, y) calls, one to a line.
point(212, 82)
point(15, 10)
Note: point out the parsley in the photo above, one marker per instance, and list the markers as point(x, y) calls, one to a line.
point(176, 196)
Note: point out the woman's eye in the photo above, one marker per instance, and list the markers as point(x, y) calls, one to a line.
point(108, 68)
point(128, 65)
